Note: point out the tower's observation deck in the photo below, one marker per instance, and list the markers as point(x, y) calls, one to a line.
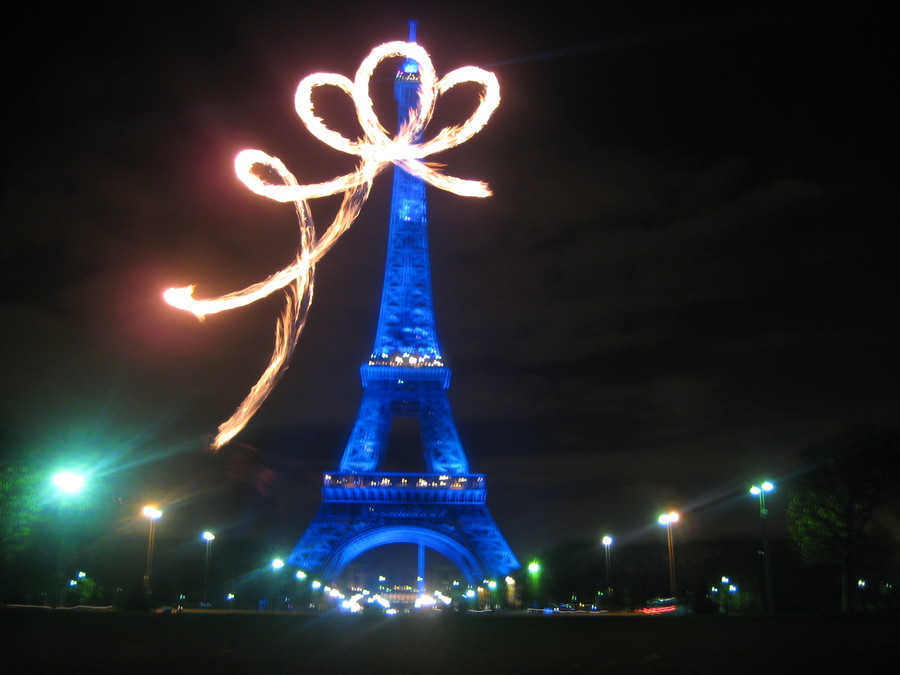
point(404, 488)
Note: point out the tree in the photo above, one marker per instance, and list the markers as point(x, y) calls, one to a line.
point(833, 504)
point(20, 507)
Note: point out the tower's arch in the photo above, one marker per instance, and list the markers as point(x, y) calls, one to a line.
point(451, 549)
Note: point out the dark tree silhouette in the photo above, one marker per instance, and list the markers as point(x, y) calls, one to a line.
point(20, 509)
point(833, 506)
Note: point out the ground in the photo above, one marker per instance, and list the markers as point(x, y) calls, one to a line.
point(48, 641)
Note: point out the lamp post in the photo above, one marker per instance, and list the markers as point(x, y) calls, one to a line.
point(667, 520)
point(607, 542)
point(68, 484)
point(511, 600)
point(208, 537)
point(277, 565)
point(153, 514)
point(760, 492)
point(534, 570)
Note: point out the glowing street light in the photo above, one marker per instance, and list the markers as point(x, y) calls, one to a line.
point(208, 537)
point(760, 492)
point(607, 542)
point(68, 482)
point(153, 514)
point(667, 519)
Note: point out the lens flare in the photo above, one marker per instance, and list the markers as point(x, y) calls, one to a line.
point(376, 151)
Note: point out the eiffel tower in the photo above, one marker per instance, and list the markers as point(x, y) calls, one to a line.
point(363, 507)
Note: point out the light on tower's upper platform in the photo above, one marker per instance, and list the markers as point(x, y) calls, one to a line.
point(405, 359)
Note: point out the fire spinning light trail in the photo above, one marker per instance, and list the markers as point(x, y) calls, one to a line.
point(376, 151)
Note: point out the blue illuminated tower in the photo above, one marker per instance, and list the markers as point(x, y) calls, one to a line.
point(444, 508)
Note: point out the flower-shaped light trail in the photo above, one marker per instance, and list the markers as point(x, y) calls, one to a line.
point(376, 151)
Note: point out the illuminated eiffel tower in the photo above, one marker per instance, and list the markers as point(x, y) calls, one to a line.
point(445, 508)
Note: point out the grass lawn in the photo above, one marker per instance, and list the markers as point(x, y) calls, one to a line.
point(69, 641)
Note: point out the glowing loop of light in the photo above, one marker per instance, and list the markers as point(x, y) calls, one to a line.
point(376, 151)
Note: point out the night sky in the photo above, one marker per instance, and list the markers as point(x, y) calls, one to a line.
point(683, 279)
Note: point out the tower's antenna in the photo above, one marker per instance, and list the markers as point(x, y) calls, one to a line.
point(412, 30)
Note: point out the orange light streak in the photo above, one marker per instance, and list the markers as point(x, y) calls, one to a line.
point(657, 610)
point(376, 151)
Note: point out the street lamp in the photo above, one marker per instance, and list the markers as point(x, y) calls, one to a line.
point(760, 492)
point(534, 569)
point(153, 514)
point(511, 600)
point(208, 537)
point(277, 564)
point(667, 519)
point(68, 484)
point(607, 542)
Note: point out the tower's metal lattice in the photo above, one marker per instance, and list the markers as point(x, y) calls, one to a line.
point(445, 507)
